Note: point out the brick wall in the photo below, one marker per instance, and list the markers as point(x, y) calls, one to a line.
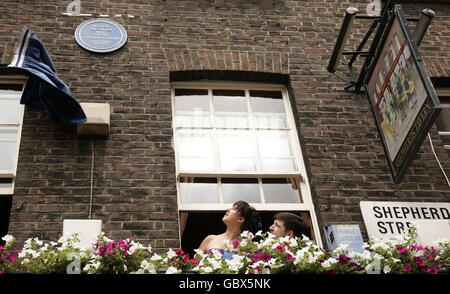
point(134, 179)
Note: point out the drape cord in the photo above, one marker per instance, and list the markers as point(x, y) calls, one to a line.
point(437, 159)
point(92, 179)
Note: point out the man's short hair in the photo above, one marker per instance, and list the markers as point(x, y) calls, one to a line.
point(292, 222)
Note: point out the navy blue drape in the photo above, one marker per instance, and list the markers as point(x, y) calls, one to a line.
point(44, 90)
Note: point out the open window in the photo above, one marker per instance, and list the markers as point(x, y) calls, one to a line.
point(11, 117)
point(236, 141)
point(443, 120)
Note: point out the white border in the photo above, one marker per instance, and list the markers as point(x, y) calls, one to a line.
point(305, 189)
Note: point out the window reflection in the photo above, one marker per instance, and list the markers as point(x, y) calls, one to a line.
point(230, 109)
point(9, 112)
point(5, 182)
point(237, 151)
point(281, 190)
point(199, 190)
point(268, 109)
point(192, 108)
point(234, 189)
point(195, 150)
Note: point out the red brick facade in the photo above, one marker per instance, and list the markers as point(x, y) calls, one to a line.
point(134, 179)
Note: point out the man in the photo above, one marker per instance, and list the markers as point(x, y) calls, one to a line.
point(288, 224)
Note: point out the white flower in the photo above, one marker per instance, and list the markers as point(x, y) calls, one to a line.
point(270, 236)
point(386, 269)
point(235, 263)
point(293, 242)
point(327, 263)
point(172, 270)
point(216, 254)
point(207, 269)
point(171, 253)
point(342, 247)
point(245, 234)
point(8, 238)
point(214, 263)
point(155, 257)
point(149, 267)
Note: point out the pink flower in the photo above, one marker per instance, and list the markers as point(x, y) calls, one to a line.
point(407, 268)
point(402, 250)
point(432, 270)
point(344, 259)
point(280, 248)
point(419, 260)
point(415, 247)
point(289, 257)
point(236, 243)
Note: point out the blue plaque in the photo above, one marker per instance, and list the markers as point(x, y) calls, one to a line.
point(100, 35)
point(344, 234)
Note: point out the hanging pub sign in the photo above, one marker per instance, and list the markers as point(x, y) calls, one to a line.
point(100, 35)
point(402, 97)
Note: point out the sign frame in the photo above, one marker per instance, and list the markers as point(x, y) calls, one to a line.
point(387, 219)
point(113, 34)
point(420, 122)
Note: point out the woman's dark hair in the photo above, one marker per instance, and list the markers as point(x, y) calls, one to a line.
point(252, 221)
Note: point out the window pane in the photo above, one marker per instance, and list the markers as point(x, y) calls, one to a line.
point(274, 144)
point(6, 182)
point(278, 165)
point(199, 190)
point(237, 152)
point(8, 133)
point(7, 154)
point(229, 101)
point(194, 143)
point(281, 190)
point(9, 106)
point(230, 109)
point(196, 164)
point(268, 109)
point(240, 189)
point(195, 150)
point(270, 121)
point(192, 108)
point(267, 102)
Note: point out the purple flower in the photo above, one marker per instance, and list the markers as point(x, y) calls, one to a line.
point(402, 250)
point(344, 259)
point(407, 268)
point(419, 260)
point(280, 248)
point(289, 257)
point(432, 270)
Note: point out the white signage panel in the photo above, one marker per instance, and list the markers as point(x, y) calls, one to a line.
point(390, 219)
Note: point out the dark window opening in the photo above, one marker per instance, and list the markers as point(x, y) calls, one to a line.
point(195, 226)
point(5, 211)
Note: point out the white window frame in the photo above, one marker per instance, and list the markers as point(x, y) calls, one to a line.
point(306, 204)
point(13, 80)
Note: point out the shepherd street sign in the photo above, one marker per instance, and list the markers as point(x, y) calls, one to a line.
point(390, 219)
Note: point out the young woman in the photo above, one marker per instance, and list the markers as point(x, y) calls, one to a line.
point(240, 217)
